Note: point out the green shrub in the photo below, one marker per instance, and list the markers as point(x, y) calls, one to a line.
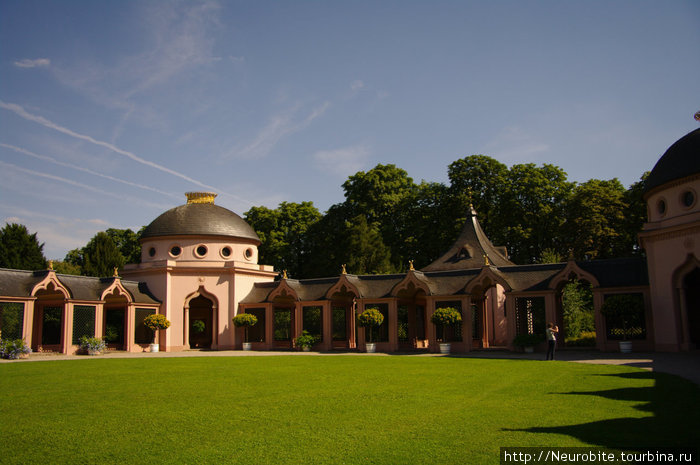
point(585, 339)
point(198, 326)
point(156, 322)
point(244, 320)
point(370, 318)
point(528, 340)
point(13, 348)
point(446, 317)
point(306, 340)
point(92, 344)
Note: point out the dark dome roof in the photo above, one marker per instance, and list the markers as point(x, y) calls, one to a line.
point(200, 218)
point(682, 159)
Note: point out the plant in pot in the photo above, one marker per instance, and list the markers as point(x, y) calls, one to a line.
point(198, 326)
point(370, 318)
point(527, 342)
point(624, 309)
point(92, 345)
point(306, 341)
point(13, 349)
point(445, 317)
point(155, 323)
point(245, 321)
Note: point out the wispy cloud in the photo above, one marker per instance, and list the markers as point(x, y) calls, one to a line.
point(21, 112)
point(356, 85)
point(85, 170)
point(342, 161)
point(280, 125)
point(35, 63)
point(513, 144)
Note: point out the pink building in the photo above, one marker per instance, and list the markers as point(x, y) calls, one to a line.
point(200, 268)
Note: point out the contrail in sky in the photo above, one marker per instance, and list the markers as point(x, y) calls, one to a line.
point(21, 112)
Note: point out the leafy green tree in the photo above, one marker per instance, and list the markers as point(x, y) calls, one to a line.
point(19, 249)
point(64, 267)
point(328, 243)
point(128, 243)
point(635, 216)
point(480, 180)
point(283, 233)
point(596, 220)
point(101, 256)
point(532, 211)
point(367, 252)
point(577, 305)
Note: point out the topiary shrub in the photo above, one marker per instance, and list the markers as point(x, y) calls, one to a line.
point(156, 322)
point(370, 318)
point(446, 317)
point(244, 320)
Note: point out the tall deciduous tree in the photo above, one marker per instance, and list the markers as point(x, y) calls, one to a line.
point(595, 223)
point(127, 241)
point(367, 252)
point(19, 249)
point(283, 233)
point(101, 256)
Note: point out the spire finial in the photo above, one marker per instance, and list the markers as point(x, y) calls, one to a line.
point(116, 272)
point(486, 260)
point(51, 265)
point(410, 266)
point(200, 197)
point(284, 274)
point(343, 270)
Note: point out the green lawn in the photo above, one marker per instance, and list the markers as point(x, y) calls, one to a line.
point(340, 409)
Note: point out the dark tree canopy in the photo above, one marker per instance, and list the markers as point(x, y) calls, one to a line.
point(20, 250)
point(101, 256)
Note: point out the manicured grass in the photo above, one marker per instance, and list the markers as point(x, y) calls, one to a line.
point(341, 409)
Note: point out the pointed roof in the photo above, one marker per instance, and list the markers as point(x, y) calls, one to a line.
point(469, 249)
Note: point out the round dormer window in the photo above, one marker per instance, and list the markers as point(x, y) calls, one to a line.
point(152, 252)
point(688, 199)
point(249, 253)
point(201, 251)
point(661, 207)
point(175, 251)
point(226, 252)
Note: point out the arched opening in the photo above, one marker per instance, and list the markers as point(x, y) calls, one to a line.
point(201, 323)
point(283, 322)
point(115, 315)
point(488, 315)
point(342, 310)
point(576, 314)
point(49, 317)
point(691, 285)
point(411, 318)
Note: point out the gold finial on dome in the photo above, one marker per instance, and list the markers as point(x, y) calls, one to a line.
point(697, 116)
point(200, 197)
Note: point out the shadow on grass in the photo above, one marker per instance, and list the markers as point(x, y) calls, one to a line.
point(675, 421)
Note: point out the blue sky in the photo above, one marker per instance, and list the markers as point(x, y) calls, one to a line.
point(111, 110)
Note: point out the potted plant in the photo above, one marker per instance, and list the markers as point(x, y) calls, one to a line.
point(92, 345)
point(198, 326)
point(305, 341)
point(14, 349)
point(445, 317)
point(528, 341)
point(624, 308)
point(245, 320)
point(155, 323)
point(370, 318)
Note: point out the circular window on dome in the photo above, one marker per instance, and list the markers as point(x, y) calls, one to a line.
point(249, 253)
point(201, 250)
point(661, 207)
point(688, 199)
point(226, 252)
point(152, 252)
point(175, 251)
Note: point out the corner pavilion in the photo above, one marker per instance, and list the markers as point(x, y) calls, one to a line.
point(200, 268)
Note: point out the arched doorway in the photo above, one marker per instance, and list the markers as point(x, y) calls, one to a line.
point(115, 316)
point(411, 318)
point(49, 317)
point(201, 324)
point(575, 313)
point(691, 285)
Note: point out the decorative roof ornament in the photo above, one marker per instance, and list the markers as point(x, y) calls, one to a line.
point(116, 272)
point(410, 266)
point(697, 116)
point(200, 197)
point(50, 265)
point(486, 260)
point(284, 274)
point(343, 270)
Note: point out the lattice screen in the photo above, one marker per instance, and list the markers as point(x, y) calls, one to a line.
point(11, 319)
point(83, 322)
point(142, 335)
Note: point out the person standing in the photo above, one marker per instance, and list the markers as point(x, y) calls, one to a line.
point(552, 331)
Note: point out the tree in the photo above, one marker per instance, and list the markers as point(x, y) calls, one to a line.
point(595, 220)
point(19, 249)
point(283, 234)
point(480, 180)
point(577, 306)
point(635, 215)
point(101, 256)
point(367, 253)
point(64, 267)
point(531, 211)
point(127, 241)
